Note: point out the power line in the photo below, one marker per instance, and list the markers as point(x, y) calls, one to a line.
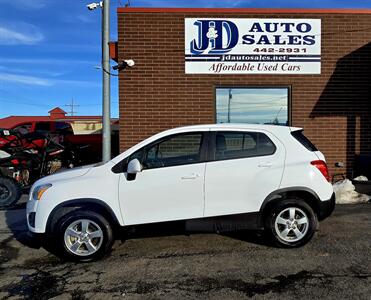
point(49, 105)
point(25, 103)
point(90, 105)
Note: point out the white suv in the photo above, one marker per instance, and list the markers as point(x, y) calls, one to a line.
point(213, 177)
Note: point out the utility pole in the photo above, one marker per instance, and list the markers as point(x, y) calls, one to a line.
point(106, 101)
point(106, 147)
point(72, 105)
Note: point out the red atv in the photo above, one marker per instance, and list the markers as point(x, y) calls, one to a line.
point(26, 158)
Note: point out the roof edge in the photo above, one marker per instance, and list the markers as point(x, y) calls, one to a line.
point(242, 10)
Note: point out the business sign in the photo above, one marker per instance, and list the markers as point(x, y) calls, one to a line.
point(252, 46)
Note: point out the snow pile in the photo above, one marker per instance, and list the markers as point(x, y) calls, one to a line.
point(345, 192)
point(361, 178)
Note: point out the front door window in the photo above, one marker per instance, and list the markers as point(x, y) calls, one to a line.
point(180, 149)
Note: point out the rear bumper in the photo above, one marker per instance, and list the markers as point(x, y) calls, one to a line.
point(326, 207)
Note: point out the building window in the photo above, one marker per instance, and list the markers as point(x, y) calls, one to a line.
point(263, 105)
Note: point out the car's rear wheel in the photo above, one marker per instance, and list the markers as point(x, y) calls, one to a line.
point(10, 192)
point(291, 223)
point(84, 236)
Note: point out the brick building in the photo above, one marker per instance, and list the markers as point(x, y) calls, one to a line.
point(328, 95)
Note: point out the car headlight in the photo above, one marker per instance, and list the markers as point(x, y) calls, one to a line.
point(40, 190)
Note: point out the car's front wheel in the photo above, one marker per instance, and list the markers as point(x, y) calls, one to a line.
point(84, 236)
point(291, 223)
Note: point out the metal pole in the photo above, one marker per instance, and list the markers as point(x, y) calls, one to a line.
point(106, 148)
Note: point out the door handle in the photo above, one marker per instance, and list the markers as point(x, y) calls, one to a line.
point(265, 164)
point(191, 176)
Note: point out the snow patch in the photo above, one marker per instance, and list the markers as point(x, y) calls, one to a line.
point(345, 192)
point(361, 178)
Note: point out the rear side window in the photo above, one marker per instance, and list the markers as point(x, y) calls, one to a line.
point(302, 139)
point(232, 145)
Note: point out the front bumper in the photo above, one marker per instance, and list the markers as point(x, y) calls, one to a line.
point(326, 207)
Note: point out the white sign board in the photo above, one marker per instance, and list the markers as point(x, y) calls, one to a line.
point(252, 46)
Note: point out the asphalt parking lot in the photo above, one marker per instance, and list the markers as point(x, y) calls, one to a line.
point(168, 264)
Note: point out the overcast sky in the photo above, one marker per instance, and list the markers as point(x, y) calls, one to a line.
point(50, 50)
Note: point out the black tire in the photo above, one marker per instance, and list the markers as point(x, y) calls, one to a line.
point(296, 231)
point(63, 246)
point(10, 192)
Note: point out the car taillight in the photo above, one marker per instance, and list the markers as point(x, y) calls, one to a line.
point(322, 167)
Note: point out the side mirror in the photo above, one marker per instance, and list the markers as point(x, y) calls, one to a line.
point(134, 167)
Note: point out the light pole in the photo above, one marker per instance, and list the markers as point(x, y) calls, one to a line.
point(106, 105)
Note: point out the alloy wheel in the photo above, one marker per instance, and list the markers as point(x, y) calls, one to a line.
point(291, 224)
point(83, 237)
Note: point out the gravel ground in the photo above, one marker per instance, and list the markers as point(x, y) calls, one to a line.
point(167, 264)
